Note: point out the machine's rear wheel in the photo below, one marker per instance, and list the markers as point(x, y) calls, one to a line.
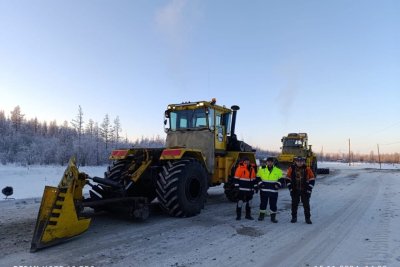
point(323, 170)
point(231, 192)
point(182, 187)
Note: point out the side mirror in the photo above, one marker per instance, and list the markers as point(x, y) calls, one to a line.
point(166, 126)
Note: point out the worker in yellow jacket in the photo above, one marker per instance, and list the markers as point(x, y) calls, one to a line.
point(269, 179)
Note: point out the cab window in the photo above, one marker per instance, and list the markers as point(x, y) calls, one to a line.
point(188, 119)
point(226, 121)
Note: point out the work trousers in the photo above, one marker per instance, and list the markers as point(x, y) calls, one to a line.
point(305, 199)
point(244, 197)
point(271, 197)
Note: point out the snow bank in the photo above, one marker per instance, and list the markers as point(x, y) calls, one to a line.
point(29, 182)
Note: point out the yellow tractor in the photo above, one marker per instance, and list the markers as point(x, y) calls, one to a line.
point(201, 151)
point(296, 145)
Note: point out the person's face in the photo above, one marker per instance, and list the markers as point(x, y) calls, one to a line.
point(299, 163)
point(247, 162)
point(270, 163)
point(263, 163)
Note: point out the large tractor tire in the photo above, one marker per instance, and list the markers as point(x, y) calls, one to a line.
point(231, 192)
point(182, 187)
point(323, 170)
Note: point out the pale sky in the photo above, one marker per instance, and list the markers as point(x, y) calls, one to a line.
point(328, 68)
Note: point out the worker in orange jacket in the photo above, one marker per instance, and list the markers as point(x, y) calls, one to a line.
point(300, 181)
point(245, 181)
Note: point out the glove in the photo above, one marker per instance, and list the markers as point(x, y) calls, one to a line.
point(277, 186)
point(289, 186)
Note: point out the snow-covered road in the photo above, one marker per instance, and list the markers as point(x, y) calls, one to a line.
point(355, 214)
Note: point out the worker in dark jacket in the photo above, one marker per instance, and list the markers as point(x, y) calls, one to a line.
point(300, 181)
point(269, 178)
point(245, 178)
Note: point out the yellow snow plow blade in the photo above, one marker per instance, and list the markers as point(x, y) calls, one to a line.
point(58, 218)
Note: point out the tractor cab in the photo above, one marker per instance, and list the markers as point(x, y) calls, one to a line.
point(203, 116)
point(203, 126)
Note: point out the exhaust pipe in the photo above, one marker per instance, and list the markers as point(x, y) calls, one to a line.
point(234, 111)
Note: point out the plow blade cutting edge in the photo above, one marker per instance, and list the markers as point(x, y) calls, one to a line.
point(58, 218)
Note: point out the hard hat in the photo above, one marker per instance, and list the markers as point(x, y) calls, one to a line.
point(299, 158)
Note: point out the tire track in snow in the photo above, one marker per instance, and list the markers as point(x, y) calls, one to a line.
point(378, 244)
point(323, 237)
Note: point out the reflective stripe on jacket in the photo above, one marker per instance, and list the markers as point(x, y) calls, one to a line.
point(269, 180)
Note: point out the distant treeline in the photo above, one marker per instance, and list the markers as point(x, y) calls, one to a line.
point(372, 157)
point(32, 141)
point(342, 157)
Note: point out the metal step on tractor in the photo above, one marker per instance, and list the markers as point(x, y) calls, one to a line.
point(201, 151)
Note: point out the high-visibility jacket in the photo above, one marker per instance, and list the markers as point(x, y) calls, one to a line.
point(269, 181)
point(245, 177)
point(300, 179)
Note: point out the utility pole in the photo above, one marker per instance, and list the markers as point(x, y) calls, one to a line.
point(379, 157)
point(322, 153)
point(349, 154)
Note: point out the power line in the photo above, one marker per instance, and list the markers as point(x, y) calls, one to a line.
point(390, 143)
point(384, 129)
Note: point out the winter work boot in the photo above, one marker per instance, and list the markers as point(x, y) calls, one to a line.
point(294, 219)
point(238, 213)
point(261, 216)
point(273, 218)
point(308, 220)
point(248, 214)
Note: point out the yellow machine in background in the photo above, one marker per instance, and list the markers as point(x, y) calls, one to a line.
point(296, 145)
point(201, 151)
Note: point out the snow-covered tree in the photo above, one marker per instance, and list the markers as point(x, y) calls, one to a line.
point(17, 118)
point(106, 130)
point(117, 130)
point(90, 128)
point(77, 123)
point(53, 128)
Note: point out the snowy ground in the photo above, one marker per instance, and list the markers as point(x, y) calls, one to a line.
point(355, 213)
